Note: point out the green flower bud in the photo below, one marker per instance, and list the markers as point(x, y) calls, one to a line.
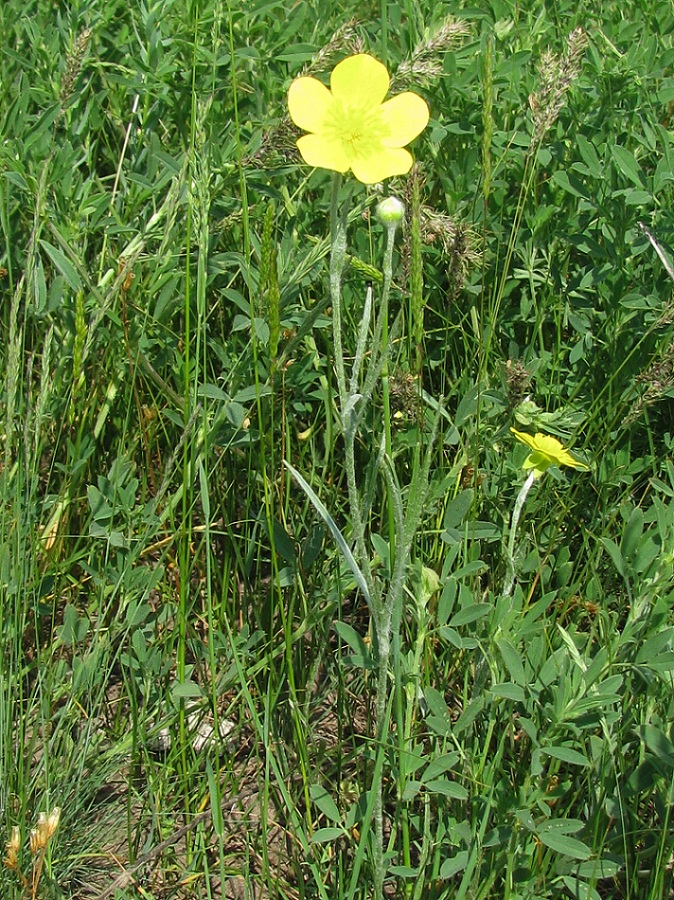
point(390, 212)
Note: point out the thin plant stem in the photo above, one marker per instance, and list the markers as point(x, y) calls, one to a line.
point(347, 400)
point(337, 262)
point(391, 229)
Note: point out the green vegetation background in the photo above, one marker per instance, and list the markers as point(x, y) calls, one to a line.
point(166, 347)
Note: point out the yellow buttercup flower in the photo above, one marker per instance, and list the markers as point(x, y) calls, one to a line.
point(350, 126)
point(547, 451)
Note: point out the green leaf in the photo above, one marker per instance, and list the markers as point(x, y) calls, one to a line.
point(362, 656)
point(567, 755)
point(325, 803)
point(483, 531)
point(436, 702)
point(452, 636)
point(572, 185)
point(609, 686)
point(283, 543)
point(615, 554)
point(39, 286)
point(204, 493)
point(136, 614)
point(467, 406)
point(578, 351)
point(63, 264)
point(627, 164)
point(569, 846)
point(439, 718)
point(447, 600)
point(440, 765)
point(185, 689)
point(454, 864)
point(297, 54)
point(634, 197)
point(446, 788)
point(139, 645)
point(562, 843)
point(312, 545)
point(580, 890)
point(589, 155)
point(477, 566)
point(41, 126)
point(593, 702)
point(325, 835)
point(251, 393)
point(74, 628)
point(474, 530)
point(100, 509)
point(663, 664)
point(508, 691)
point(457, 509)
point(470, 614)
point(658, 743)
point(470, 713)
point(512, 660)
point(382, 550)
point(403, 871)
point(561, 826)
point(632, 532)
point(212, 392)
point(648, 551)
point(598, 868)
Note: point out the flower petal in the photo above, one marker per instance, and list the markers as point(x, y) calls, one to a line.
point(405, 116)
point(549, 445)
point(360, 80)
point(525, 438)
point(309, 103)
point(323, 153)
point(381, 164)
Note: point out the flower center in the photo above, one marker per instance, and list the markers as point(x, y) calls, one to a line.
point(359, 129)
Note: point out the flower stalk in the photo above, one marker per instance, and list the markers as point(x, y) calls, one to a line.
point(390, 213)
point(351, 128)
point(348, 400)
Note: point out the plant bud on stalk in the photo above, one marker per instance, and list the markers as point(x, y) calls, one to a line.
point(390, 211)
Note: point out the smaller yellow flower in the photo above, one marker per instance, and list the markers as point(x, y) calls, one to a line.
point(350, 126)
point(547, 451)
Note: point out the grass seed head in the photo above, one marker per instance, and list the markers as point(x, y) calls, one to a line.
point(555, 74)
point(425, 61)
point(344, 40)
point(74, 62)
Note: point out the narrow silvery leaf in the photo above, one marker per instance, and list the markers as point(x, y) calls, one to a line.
point(336, 533)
